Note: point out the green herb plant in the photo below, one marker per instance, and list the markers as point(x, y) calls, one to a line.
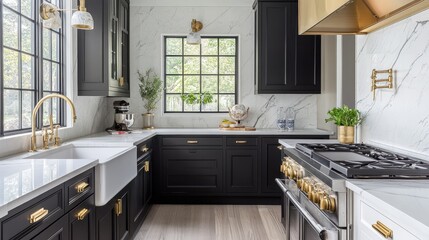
point(197, 98)
point(344, 116)
point(150, 89)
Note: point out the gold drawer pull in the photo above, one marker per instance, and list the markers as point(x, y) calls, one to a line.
point(118, 207)
point(38, 215)
point(383, 229)
point(240, 142)
point(280, 147)
point(82, 214)
point(81, 187)
point(145, 149)
point(192, 142)
point(146, 166)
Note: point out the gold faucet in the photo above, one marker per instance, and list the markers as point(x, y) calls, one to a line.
point(33, 146)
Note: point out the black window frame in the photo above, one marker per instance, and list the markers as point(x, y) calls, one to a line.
point(236, 74)
point(38, 67)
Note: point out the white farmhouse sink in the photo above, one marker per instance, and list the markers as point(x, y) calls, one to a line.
point(117, 166)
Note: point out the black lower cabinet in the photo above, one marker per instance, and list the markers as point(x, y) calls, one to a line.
point(242, 171)
point(82, 221)
point(270, 167)
point(57, 231)
point(113, 218)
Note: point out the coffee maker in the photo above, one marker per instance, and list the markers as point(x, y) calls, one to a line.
point(123, 119)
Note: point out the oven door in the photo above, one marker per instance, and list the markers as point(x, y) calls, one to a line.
point(299, 223)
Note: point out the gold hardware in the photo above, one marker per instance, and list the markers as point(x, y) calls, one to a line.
point(383, 229)
point(280, 147)
point(121, 81)
point(38, 215)
point(388, 81)
point(146, 166)
point(33, 144)
point(327, 203)
point(82, 214)
point(80, 188)
point(118, 207)
point(57, 139)
point(240, 142)
point(145, 149)
point(196, 25)
point(192, 142)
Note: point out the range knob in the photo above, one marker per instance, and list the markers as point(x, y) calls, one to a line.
point(282, 167)
point(316, 195)
point(290, 172)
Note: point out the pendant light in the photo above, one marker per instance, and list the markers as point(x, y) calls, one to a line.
point(81, 19)
point(194, 38)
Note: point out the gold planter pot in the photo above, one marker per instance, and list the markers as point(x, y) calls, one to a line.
point(148, 120)
point(346, 134)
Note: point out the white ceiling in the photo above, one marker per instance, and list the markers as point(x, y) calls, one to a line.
point(192, 3)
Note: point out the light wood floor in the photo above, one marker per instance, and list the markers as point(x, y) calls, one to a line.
point(217, 222)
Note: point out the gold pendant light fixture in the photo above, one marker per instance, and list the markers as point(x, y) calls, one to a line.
point(81, 19)
point(194, 37)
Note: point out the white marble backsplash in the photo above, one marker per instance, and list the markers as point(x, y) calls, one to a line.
point(400, 116)
point(149, 24)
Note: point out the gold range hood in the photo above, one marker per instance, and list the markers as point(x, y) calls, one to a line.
point(340, 17)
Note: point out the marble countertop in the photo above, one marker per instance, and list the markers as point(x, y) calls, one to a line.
point(24, 179)
point(407, 200)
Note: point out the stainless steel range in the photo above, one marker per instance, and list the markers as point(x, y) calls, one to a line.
point(317, 204)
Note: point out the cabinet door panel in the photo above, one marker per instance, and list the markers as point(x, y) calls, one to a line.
point(57, 231)
point(241, 170)
point(82, 223)
point(137, 199)
point(106, 222)
point(122, 223)
point(271, 161)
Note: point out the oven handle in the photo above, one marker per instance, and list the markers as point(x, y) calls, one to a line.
point(319, 228)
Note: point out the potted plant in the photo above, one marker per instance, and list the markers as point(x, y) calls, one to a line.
point(197, 98)
point(346, 119)
point(150, 92)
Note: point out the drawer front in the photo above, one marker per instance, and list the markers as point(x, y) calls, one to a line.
point(36, 217)
point(79, 188)
point(191, 141)
point(192, 171)
point(82, 220)
point(144, 148)
point(370, 217)
point(241, 142)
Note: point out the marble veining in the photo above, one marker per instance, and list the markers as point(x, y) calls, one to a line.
point(149, 24)
point(398, 117)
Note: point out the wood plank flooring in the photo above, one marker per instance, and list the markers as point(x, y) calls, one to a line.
point(212, 222)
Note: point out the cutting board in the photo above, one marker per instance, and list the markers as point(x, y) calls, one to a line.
point(238, 129)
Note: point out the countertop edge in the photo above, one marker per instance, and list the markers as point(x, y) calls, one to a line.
point(4, 210)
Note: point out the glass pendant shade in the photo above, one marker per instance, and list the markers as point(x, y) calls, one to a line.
point(82, 20)
point(193, 38)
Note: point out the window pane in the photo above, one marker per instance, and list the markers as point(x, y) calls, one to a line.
point(27, 62)
point(27, 108)
point(173, 103)
point(55, 46)
point(27, 31)
point(55, 110)
point(227, 84)
point(192, 84)
point(192, 65)
point(211, 107)
point(174, 46)
point(10, 68)
point(174, 65)
point(47, 75)
point(174, 84)
point(11, 3)
point(192, 107)
point(227, 65)
point(227, 46)
point(209, 46)
point(225, 102)
point(191, 49)
point(46, 110)
point(27, 8)
point(47, 44)
point(209, 65)
point(55, 77)
point(10, 29)
point(209, 84)
point(11, 110)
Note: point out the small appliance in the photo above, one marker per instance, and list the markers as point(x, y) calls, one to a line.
point(123, 119)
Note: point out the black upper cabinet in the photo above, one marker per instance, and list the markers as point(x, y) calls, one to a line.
point(103, 53)
point(285, 62)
